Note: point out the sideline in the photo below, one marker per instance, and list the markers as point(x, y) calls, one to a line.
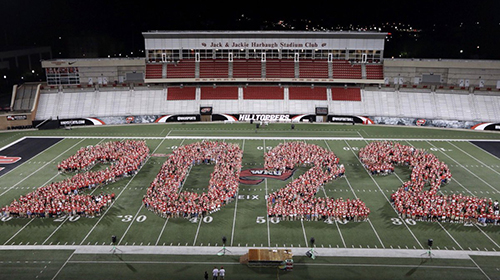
point(265, 137)
point(238, 251)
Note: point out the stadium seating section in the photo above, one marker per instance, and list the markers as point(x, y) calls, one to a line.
point(208, 93)
point(343, 69)
point(374, 71)
point(154, 71)
point(307, 93)
point(280, 68)
point(214, 68)
point(271, 69)
point(182, 69)
point(254, 92)
point(186, 93)
point(346, 94)
point(243, 68)
point(313, 69)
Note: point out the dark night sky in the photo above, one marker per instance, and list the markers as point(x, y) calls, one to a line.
point(110, 27)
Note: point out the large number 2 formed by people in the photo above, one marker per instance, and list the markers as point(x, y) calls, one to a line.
point(419, 198)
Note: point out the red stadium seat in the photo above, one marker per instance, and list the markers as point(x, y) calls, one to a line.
point(343, 69)
point(346, 94)
point(374, 71)
point(313, 69)
point(153, 71)
point(186, 93)
point(219, 93)
point(263, 93)
point(210, 68)
point(307, 93)
point(246, 68)
point(278, 68)
point(182, 69)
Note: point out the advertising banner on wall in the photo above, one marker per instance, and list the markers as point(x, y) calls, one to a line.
point(487, 126)
point(262, 117)
point(279, 118)
point(423, 122)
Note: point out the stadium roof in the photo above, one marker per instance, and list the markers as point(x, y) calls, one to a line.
point(263, 34)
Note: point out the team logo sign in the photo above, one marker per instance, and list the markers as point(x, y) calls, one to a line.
point(421, 122)
point(263, 173)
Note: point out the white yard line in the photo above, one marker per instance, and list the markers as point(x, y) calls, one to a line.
point(484, 233)
point(234, 216)
point(19, 140)
point(49, 162)
point(267, 206)
point(487, 277)
point(382, 192)
point(354, 193)
point(496, 244)
point(130, 224)
point(304, 232)
point(168, 218)
point(439, 223)
point(264, 137)
point(64, 264)
point(473, 174)
point(486, 165)
point(118, 196)
point(197, 231)
point(21, 229)
point(336, 223)
point(236, 202)
point(139, 210)
point(456, 242)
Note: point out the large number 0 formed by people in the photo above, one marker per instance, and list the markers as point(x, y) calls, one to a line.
point(297, 200)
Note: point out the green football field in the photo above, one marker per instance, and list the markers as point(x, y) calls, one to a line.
point(153, 247)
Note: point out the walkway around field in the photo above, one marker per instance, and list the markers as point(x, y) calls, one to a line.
point(238, 251)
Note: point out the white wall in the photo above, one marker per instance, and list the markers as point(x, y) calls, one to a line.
point(387, 103)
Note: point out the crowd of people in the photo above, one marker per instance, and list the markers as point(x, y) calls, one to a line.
point(165, 196)
point(421, 198)
point(297, 199)
point(66, 197)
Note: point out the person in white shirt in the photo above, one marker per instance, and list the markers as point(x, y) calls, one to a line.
point(222, 273)
point(215, 273)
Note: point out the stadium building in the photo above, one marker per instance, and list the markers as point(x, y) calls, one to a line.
point(261, 76)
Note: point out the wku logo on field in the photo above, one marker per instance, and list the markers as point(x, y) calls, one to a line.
point(8, 160)
point(259, 172)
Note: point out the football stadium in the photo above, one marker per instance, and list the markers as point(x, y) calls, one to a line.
point(264, 154)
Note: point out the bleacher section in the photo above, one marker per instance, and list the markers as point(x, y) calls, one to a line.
point(374, 71)
point(269, 69)
point(243, 68)
point(214, 68)
point(487, 107)
point(313, 69)
point(307, 93)
point(267, 99)
point(184, 93)
point(208, 93)
point(346, 94)
point(278, 68)
point(25, 98)
point(343, 69)
point(182, 69)
point(154, 71)
point(255, 92)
